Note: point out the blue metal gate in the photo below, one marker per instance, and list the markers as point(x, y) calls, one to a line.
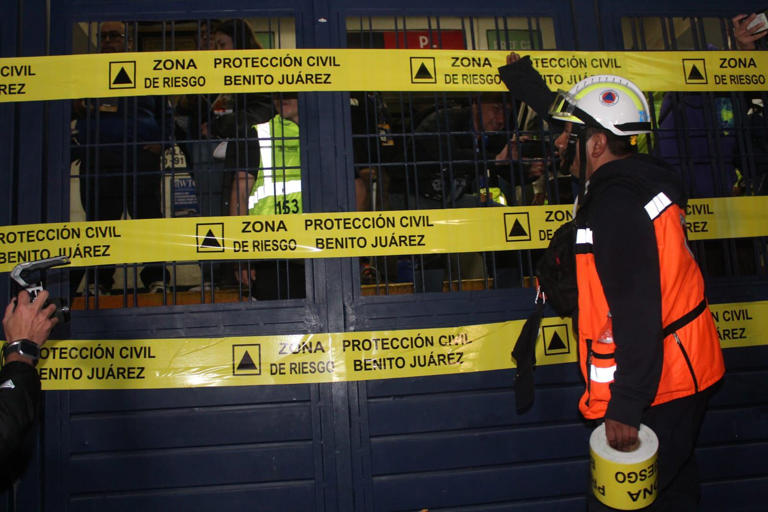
point(437, 443)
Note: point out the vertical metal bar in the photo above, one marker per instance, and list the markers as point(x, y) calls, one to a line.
point(539, 34)
point(643, 42)
point(666, 39)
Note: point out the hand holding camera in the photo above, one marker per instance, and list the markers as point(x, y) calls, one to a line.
point(30, 316)
point(30, 276)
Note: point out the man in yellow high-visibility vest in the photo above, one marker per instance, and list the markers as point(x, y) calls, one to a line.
point(274, 190)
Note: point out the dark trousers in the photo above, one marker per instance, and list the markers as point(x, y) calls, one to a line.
point(677, 425)
point(112, 182)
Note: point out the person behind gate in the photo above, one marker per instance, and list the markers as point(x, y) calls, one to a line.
point(273, 148)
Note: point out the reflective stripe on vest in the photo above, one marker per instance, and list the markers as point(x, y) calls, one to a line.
point(273, 182)
point(692, 357)
point(602, 375)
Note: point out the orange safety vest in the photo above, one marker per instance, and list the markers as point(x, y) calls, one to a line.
point(693, 360)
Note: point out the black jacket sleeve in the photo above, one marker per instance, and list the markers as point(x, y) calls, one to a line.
point(627, 261)
point(19, 401)
point(526, 84)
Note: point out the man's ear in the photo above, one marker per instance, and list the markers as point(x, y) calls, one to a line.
point(599, 144)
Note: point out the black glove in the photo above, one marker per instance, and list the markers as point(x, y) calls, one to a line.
point(526, 84)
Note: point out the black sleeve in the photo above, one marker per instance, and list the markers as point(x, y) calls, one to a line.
point(19, 400)
point(526, 84)
point(627, 261)
point(372, 141)
point(243, 154)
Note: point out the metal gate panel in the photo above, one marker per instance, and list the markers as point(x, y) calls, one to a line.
point(189, 449)
point(443, 443)
point(455, 443)
point(131, 450)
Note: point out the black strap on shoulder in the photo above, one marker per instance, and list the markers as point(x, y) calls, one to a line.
point(686, 318)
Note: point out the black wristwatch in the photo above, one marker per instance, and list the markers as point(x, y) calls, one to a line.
point(24, 348)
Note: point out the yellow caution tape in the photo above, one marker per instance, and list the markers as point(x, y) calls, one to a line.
point(742, 324)
point(308, 358)
point(205, 72)
point(335, 235)
point(332, 357)
point(726, 217)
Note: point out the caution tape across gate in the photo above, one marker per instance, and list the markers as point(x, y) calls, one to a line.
point(332, 357)
point(314, 70)
point(335, 235)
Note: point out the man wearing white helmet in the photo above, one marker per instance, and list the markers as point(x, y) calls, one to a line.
point(648, 347)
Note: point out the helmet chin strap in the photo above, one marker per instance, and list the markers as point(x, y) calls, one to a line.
point(575, 137)
point(582, 165)
point(570, 150)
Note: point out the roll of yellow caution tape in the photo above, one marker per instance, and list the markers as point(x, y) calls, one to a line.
point(624, 480)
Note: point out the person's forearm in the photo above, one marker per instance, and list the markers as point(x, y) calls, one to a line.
point(241, 186)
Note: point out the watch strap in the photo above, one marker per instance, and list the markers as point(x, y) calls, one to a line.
point(24, 348)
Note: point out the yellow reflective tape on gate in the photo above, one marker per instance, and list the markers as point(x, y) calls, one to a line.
point(204, 72)
point(318, 358)
point(743, 324)
point(336, 235)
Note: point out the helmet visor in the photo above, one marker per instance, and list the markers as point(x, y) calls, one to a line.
point(563, 108)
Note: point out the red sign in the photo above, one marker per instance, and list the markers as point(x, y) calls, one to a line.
point(425, 39)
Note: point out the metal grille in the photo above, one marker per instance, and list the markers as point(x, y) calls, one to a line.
point(448, 150)
point(160, 156)
point(717, 141)
point(197, 155)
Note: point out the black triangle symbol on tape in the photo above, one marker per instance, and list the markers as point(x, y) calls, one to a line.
point(122, 78)
point(695, 74)
point(211, 241)
point(556, 343)
point(246, 363)
point(517, 229)
point(423, 73)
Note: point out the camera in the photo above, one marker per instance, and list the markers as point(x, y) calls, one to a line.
point(30, 276)
point(761, 18)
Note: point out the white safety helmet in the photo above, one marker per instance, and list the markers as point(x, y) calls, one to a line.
point(606, 101)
